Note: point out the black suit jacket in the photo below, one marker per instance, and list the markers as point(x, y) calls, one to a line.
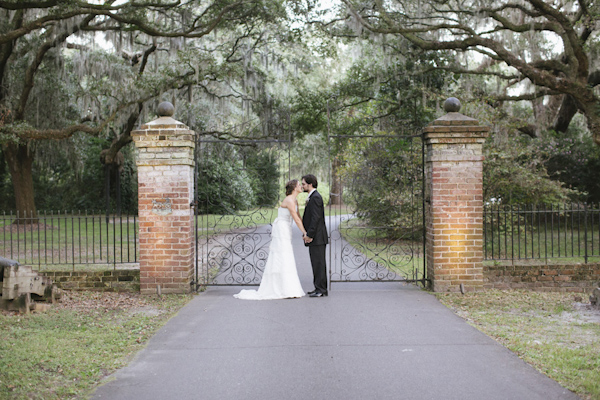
point(314, 220)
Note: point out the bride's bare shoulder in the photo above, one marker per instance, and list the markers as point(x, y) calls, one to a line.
point(287, 202)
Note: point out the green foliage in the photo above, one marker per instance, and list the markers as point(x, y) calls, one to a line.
point(223, 187)
point(310, 155)
point(514, 171)
point(263, 173)
point(383, 181)
point(573, 159)
point(391, 96)
point(310, 112)
point(382, 93)
point(232, 179)
point(68, 175)
point(92, 80)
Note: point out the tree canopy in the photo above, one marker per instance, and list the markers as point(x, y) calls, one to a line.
point(297, 69)
point(533, 50)
point(93, 67)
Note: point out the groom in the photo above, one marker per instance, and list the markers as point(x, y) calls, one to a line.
point(316, 234)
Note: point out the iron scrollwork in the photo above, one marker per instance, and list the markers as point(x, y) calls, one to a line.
point(237, 258)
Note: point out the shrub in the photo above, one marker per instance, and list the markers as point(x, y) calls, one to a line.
point(383, 181)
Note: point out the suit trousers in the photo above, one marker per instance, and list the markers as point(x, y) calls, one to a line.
point(319, 266)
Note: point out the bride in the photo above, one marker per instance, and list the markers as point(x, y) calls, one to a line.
point(280, 277)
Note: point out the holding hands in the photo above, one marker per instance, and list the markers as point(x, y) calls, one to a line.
point(306, 239)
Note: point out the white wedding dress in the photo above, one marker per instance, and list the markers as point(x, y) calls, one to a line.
point(280, 277)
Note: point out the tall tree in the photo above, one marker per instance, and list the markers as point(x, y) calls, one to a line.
point(534, 49)
point(54, 82)
point(387, 89)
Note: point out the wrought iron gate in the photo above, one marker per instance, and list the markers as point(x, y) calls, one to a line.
point(237, 185)
point(376, 213)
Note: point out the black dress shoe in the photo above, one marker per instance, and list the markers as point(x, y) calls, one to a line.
point(311, 292)
point(318, 294)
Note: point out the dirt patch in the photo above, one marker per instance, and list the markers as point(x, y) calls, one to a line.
point(24, 228)
point(585, 313)
point(82, 300)
point(133, 303)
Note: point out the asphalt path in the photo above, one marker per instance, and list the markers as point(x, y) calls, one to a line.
point(363, 341)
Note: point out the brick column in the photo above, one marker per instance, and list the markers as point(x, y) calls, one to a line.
point(454, 201)
point(165, 162)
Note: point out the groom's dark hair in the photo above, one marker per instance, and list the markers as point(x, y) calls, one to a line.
point(311, 180)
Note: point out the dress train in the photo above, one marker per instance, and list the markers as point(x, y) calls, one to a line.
point(280, 277)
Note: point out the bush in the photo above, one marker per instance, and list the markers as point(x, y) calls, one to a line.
point(263, 173)
point(236, 178)
point(574, 159)
point(383, 181)
point(515, 172)
point(223, 186)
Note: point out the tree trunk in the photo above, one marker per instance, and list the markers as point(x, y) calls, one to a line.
point(336, 185)
point(594, 127)
point(565, 114)
point(589, 108)
point(20, 163)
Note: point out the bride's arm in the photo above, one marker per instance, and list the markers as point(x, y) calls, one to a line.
point(293, 207)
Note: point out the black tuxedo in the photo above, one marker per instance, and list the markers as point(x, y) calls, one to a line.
point(314, 223)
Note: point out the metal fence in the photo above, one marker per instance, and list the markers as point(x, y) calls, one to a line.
point(542, 232)
point(75, 238)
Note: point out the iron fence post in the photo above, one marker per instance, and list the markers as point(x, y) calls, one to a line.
point(585, 251)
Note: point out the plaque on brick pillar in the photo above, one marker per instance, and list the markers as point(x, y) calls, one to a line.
point(165, 162)
point(454, 200)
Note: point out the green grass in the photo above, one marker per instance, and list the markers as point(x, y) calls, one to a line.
point(66, 240)
point(404, 257)
point(66, 351)
point(546, 330)
point(544, 245)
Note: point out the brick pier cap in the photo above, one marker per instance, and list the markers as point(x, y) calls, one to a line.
point(454, 201)
point(165, 161)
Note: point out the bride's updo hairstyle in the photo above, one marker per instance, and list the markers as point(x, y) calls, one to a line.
point(290, 186)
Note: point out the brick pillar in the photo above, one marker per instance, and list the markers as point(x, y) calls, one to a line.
point(165, 162)
point(454, 201)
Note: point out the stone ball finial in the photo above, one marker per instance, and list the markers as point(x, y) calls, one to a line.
point(452, 104)
point(166, 109)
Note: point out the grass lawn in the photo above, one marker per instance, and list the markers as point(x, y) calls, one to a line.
point(557, 333)
point(71, 240)
point(550, 244)
point(66, 351)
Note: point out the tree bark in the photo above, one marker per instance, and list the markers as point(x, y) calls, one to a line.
point(20, 163)
point(336, 185)
point(593, 120)
point(565, 115)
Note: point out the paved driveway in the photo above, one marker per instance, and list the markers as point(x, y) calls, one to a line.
point(364, 341)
